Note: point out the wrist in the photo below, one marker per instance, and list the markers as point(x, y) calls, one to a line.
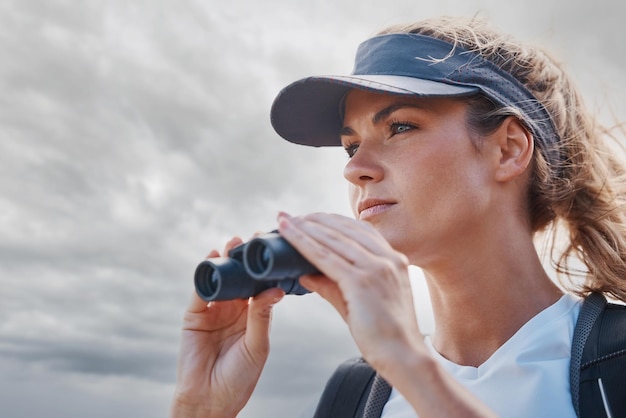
point(398, 356)
point(415, 362)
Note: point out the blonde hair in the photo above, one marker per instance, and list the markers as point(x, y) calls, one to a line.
point(585, 193)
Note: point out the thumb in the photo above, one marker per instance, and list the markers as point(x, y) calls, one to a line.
point(259, 320)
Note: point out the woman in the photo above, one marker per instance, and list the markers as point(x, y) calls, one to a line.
point(463, 145)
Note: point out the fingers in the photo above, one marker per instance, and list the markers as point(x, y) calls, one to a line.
point(363, 272)
point(235, 241)
point(340, 247)
point(259, 320)
point(346, 237)
point(348, 229)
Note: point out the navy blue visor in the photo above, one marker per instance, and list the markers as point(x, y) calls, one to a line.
point(308, 112)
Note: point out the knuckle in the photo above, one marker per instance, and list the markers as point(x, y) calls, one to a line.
point(315, 216)
point(321, 253)
point(384, 268)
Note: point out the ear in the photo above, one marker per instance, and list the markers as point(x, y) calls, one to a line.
point(515, 146)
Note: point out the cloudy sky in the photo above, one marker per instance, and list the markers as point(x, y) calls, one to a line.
point(135, 137)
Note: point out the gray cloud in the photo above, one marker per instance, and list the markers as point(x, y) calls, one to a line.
point(94, 357)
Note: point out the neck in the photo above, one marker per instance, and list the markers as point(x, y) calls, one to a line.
point(481, 303)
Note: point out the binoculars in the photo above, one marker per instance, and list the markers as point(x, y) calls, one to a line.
point(264, 262)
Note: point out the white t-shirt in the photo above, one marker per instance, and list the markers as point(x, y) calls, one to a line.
point(528, 376)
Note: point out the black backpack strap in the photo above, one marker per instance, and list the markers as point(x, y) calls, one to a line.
point(602, 365)
point(377, 398)
point(346, 392)
point(590, 311)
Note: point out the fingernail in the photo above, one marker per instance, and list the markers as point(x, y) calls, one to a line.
point(282, 214)
point(278, 298)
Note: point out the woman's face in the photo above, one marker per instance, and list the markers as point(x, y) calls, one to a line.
point(414, 173)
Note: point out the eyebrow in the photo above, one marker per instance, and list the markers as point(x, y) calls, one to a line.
point(382, 114)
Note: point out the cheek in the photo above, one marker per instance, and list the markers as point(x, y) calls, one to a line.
point(446, 184)
point(468, 190)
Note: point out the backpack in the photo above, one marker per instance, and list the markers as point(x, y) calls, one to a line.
point(597, 369)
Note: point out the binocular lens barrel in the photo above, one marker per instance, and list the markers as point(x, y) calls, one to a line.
point(258, 258)
point(270, 256)
point(264, 262)
point(207, 279)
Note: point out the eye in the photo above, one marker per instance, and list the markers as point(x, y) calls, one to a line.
point(399, 127)
point(351, 149)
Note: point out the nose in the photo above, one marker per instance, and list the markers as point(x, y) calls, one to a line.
point(363, 167)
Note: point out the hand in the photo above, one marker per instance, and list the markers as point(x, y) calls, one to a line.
point(224, 347)
point(365, 279)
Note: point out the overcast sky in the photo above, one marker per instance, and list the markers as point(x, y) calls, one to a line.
point(135, 137)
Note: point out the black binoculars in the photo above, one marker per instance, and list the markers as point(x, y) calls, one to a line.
point(264, 262)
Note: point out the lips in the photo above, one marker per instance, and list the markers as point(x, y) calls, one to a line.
point(370, 207)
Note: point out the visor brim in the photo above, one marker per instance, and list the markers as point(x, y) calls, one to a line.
point(307, 112)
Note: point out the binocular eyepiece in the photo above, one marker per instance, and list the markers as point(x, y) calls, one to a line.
point(264, 262)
